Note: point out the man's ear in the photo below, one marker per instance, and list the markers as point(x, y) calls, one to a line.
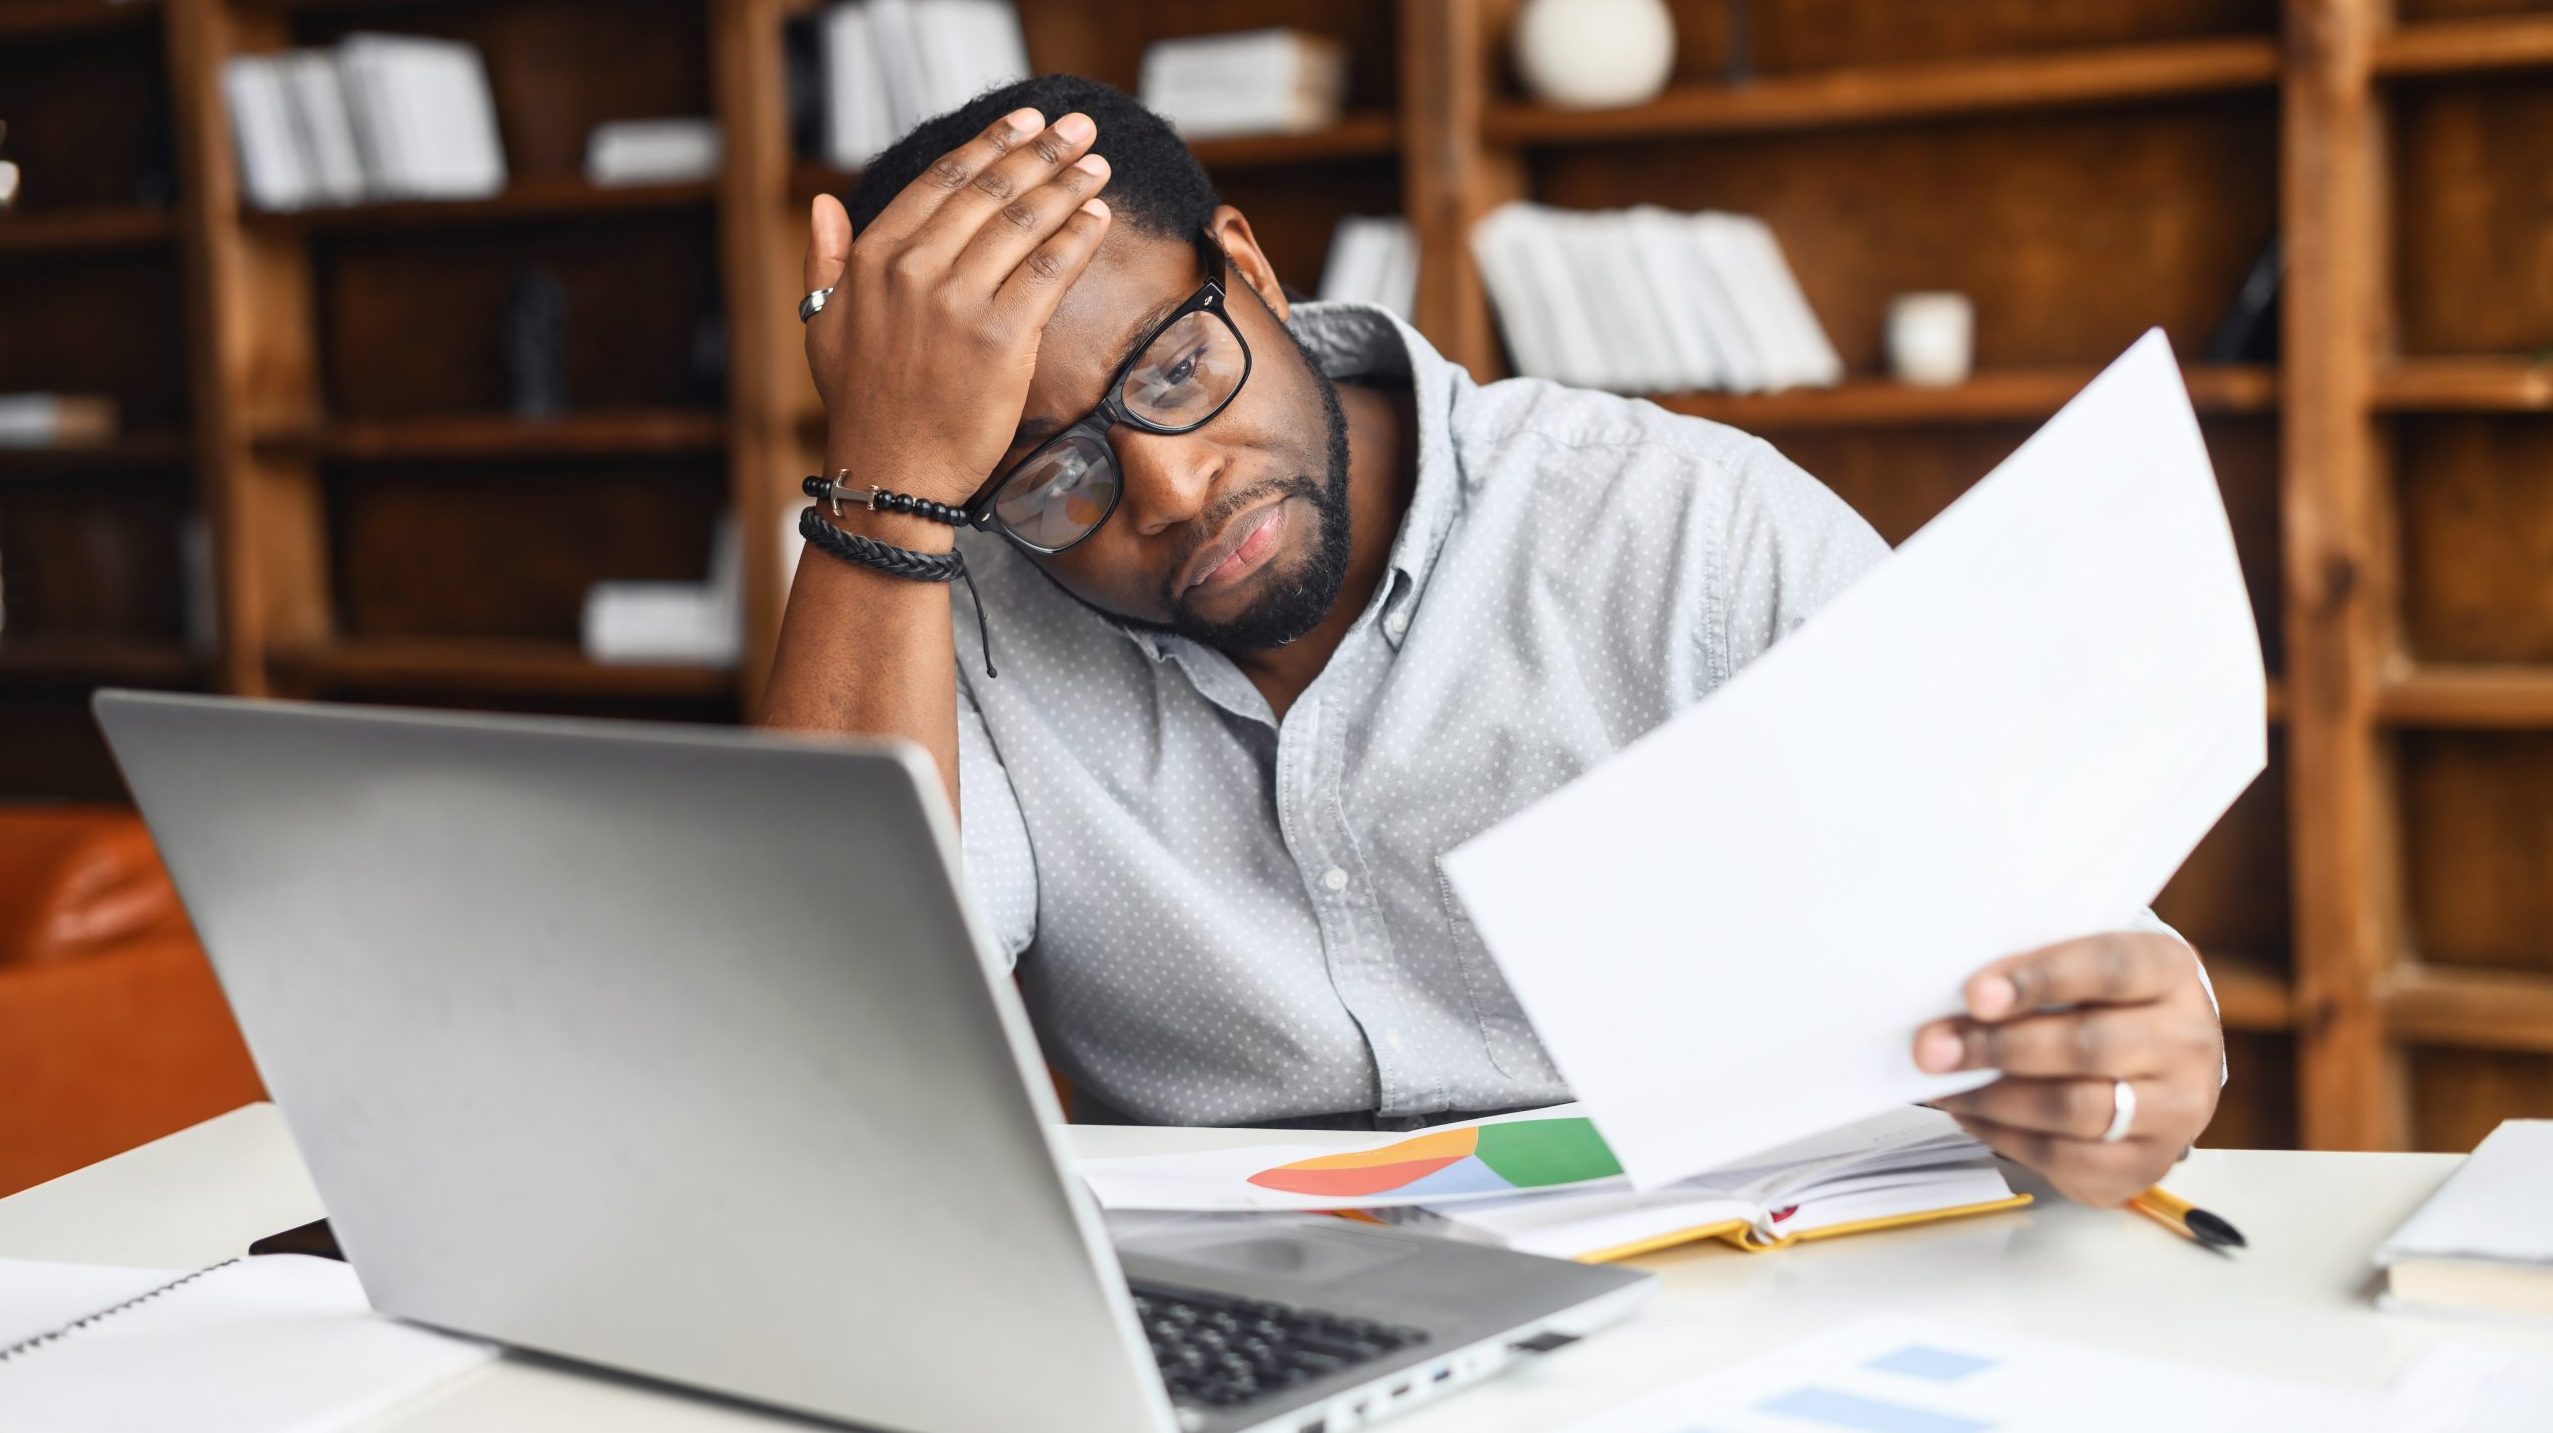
point(1231, 230)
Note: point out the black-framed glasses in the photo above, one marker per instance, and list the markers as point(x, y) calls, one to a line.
point(1187, 370)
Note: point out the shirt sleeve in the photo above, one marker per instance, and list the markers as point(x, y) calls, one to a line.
point(1000, 866)
point(1791, 546)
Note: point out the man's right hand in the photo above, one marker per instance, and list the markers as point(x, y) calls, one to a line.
point(923, 353)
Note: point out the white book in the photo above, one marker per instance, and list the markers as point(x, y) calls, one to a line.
point(999, 46)
point(319, 107)
point(386, 126)
point(2483, 1243)
point(1273, 81)
point(1810, 357)
point(1589, 322)
point(270, 169)
point(1664, 263)
point(1648, 363)
point(900, 64)
point(52, 420)
point(652, 151)
point(1398, 288)
point(858, 117)
point(1498, 246)
point(460, 118)
point(1742, 357)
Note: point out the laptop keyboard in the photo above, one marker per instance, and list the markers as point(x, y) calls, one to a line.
point(1221, 1352)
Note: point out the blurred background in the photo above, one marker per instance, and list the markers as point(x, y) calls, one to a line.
point(443, 352)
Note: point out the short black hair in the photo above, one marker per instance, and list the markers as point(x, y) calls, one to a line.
point(1153, 181)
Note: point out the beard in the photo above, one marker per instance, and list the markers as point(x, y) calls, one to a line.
point(1295, 601)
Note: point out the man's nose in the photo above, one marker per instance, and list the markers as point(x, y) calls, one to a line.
point(1167, 478)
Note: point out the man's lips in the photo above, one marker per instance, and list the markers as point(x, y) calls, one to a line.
point(1239, 550)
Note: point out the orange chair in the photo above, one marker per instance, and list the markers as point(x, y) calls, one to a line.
point(112, 1030)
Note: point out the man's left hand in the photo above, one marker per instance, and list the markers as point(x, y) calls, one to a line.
point(2064, 1024)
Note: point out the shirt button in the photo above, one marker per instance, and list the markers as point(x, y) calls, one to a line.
point(1334, 879)
point(1396, 626)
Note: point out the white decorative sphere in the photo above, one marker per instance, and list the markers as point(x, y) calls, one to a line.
point(1594, 54)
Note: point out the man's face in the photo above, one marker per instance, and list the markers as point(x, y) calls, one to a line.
point(1234, 534)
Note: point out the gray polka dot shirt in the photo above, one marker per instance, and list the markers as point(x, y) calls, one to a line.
point(1222, 918)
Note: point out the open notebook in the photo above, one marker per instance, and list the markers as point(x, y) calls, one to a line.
point(1545, 1182)
point(255, 1345)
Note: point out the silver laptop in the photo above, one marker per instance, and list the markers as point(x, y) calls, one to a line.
point(680, 1051)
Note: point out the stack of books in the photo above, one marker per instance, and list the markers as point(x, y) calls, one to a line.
point(1650, 301)
point(891, 64)
point(1372, 261)
point(376, 117)
point(1250, 82)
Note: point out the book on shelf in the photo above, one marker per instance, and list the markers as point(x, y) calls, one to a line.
point(1373, 261)
point(890, 64)
point(691, 623)
point(1273, 81)
point(55, 420)
point(1650, 301)
point(674, 150)
point(376, 117)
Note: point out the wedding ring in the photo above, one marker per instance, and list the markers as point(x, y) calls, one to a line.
point(813, 303)
point(2122, 1111)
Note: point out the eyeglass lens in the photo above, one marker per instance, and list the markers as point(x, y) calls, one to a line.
point(1182, 378)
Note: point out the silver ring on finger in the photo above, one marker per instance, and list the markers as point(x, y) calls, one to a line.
point(2122, 1111)
point(813, 303)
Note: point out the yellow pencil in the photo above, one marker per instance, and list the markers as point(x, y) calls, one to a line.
point(2186, 1219)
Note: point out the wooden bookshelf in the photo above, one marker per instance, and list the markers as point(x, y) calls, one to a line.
point(491, 668)
point(326, 387)
point(537, 199)
point(482, 436)
point(1994, 396)
point(1881, 94)
point(84, 231)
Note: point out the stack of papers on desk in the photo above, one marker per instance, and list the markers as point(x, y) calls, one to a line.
point(2010, 733)
point(1543, 1182)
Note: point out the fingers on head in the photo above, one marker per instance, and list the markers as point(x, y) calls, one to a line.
point(953, 172)
point(1037, 284)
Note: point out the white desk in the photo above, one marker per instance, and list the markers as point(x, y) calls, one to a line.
point(2295, 1303)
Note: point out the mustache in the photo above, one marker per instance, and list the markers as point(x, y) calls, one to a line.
point(1202, 528)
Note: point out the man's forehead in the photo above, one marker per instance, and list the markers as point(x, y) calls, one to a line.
point(1133, 280)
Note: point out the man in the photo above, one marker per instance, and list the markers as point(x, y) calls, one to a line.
point(1284, 606)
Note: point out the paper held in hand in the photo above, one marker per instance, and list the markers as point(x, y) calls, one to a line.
point(2009, 733)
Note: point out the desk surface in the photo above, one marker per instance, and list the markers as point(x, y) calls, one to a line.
point(2295, 1303)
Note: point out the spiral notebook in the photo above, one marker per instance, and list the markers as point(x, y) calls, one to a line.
point(280, 1343)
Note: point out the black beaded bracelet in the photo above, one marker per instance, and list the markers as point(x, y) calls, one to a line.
point(836, 491)
point(851, 547)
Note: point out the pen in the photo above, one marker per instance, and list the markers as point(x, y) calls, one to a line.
point(2186, 1219)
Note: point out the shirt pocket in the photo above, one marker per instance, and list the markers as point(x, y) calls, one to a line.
point(1513, 1047)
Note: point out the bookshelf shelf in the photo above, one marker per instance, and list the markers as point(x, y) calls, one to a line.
point(2452, 47)
point(1355, 136)
point(85, 230)
point(2250, 995)
point(148, 450)
point(526, 200)
point(2474, 697)
point(1994, 396)
point(491, 667)
point(2470, 1008)
point(37, 19)
point(1878, 94)
point(2465, 385)
point(64, 660)
point(596, 434)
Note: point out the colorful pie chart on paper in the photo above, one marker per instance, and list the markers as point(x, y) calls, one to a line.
point(1480, 1159)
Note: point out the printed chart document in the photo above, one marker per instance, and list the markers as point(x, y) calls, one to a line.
point(2009, 733)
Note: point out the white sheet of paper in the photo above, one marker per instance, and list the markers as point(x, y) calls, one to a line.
point(2009, 733)
point(1905, 1375)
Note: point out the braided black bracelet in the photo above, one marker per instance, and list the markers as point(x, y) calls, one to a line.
point(894, 561)
point(837, 492)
